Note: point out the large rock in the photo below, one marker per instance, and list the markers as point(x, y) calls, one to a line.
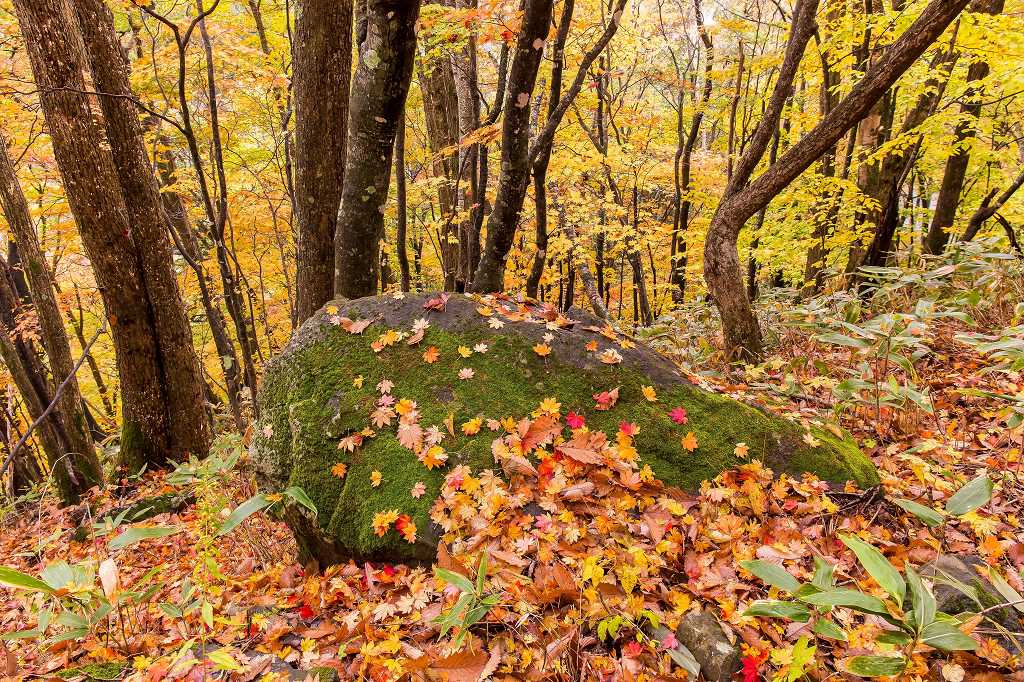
point(323, 387)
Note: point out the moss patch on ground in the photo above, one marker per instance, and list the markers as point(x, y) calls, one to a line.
point(324, 388)
point(111, 670)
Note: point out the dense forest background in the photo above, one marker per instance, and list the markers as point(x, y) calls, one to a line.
point(814, 206)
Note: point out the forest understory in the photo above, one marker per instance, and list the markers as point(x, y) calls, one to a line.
point(194, 602)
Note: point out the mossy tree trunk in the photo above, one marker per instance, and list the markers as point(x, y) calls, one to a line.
point(379, 89)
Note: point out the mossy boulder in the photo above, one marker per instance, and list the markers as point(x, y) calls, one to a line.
point(323, 387)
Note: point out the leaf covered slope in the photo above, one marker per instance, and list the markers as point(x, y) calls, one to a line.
point(368, 410)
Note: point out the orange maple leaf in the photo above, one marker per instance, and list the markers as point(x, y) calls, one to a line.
point(690, 442)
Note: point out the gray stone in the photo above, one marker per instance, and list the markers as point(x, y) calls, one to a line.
point(959, 588)
point(702, 633)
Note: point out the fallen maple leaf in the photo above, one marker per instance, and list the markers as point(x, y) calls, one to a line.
point(542, 349)
point(431, 355)
point(436, 303)
point(649, 393)
point(678, 415)
point(690, 442)
point(375, 478)
point(466, 373)
point(418, 490)
point(339, 470)
point(574, 420)
point(742, 451)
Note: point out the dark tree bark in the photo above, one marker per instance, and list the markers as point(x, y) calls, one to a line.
point(895, 167)
point(722, 268)
point(515, 143)
point(990, 206)
point(886, 177)
point(684, 162)
point(956, 165)
point(441, 114)
point(379, 89)
point(74, 471)
point(401, 208)
point(467, 88)
point(321, 71)
point(129, 251)
point(540, 166)
point(182, 379)
point(517, 154)
point(70, 410)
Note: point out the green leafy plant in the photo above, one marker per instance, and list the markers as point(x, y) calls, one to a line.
point(472, 605)
point(909, 606)
point(72, 601)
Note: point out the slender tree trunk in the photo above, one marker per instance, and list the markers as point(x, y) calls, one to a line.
point(70, 409)
point(540, 166)
point(956, 164)
point(741, 201)
point(467, 86)
point(129, 252)
point(515, 142)
point(379, 89)
point(990, 208)
point(74, 470)
point(441, 114)
point(402, 208)
point(321, 74)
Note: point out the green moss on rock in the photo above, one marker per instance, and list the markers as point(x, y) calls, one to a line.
point(312, 397)
point(110, 670)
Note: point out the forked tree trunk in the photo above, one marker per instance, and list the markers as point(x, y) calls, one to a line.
point(721, 267)
point(321, 74)
point(163, 406)
point(70, 410)
point(515, 147)
point(379, 88)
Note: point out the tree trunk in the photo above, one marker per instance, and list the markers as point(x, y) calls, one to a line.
point(990, 208)
point(721, 265)
point(956, 164)
point(401, 208)
point(182, 386)
point(515, 143)
point(441, 114)
point(321, 74)
point(467, 86)
point(129, 252)
point(540, 166)
point(74, 471)
point(70, 410)
point(379, 89)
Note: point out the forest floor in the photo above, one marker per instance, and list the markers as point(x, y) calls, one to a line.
point(263, 614)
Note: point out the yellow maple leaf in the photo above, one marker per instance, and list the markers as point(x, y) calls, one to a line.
point(542, 349)
point(690, 442)
point(465, 351)
point(339, 469)
point(375, 478)
point(550, 406)
point(472, 427)
point(434, 456)
point(358, 381)
point(649, 393)
point(383, 520)
point(811, 440)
